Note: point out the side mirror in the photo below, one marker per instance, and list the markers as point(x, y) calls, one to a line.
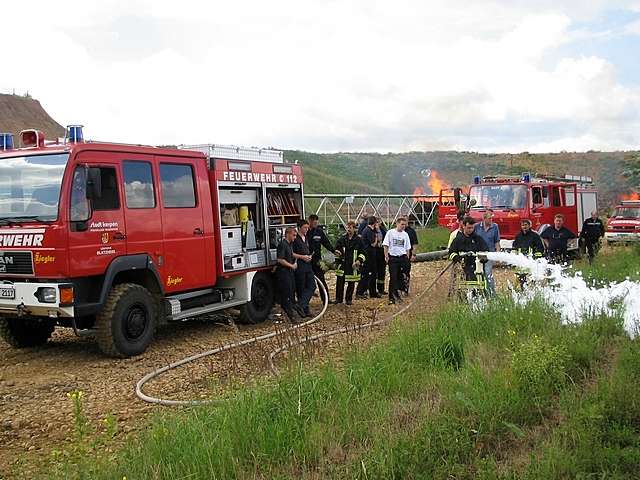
point(473, 202)
point(94, 183)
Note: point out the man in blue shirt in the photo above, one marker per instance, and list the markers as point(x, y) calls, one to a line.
point(490, 233)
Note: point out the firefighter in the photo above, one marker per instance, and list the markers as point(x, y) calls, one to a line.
point(381, 265)
point(397, 248)
point(318, 239)
point(349, 258)
point(286, 266)
point(490, 233)
point(592, 231)
point(305, 283)
point(413, 238)
point(527, 242)
point(369, 271)
point(469, 242)
point(555, 240)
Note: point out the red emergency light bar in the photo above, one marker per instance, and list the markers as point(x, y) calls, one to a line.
point(32, 138)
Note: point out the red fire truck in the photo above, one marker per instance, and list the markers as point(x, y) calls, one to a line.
point(624, 224)
point(113, 240)
point(512, 198)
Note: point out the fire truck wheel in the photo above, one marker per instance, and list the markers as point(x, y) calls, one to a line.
point(25, 332)
point(262, 292)
point(127, 323)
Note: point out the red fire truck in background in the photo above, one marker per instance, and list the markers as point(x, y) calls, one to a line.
point(512, 198)
point(624, 224)
point(113, 240)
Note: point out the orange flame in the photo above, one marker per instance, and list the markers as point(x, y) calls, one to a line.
point(630, 196)
point(433, 184)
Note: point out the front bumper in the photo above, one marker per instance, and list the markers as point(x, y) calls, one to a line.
point(622, 236)
point(26, 302)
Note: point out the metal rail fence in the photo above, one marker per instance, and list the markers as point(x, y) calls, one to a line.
point(338, 209)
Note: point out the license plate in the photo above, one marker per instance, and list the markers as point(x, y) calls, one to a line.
point(7, 292)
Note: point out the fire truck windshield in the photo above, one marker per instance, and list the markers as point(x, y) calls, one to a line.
point(30, 187)
point(498, 196)
point(627, 212)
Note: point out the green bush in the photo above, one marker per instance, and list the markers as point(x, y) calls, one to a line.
point(539, 367)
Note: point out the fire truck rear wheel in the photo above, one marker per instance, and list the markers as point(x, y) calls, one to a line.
point(127, 323)
point(25, 332)
point(262, 293)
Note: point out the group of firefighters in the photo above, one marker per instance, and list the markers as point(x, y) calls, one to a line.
point(471, 237)
point(362, 256)
point(366, 250)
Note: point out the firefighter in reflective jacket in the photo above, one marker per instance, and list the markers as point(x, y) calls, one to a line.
point(529, 243)
point(349, 257)
point(473, 266)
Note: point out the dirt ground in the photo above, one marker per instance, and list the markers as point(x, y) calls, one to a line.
point(36, 414)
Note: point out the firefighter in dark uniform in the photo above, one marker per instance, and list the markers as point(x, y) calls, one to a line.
point(556, 238)
point(369, 271)
point(529, 243)
point(349, 258)
point(305, 283)
point(286, 266)
point(381, 265)
point(469, 241)
point(318, 239)
point(592, 231)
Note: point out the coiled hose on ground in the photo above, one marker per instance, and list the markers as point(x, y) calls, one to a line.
point(270, 358)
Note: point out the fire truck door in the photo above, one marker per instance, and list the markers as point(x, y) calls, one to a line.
point(142, 207)
point(185, 261)
point(97, 229)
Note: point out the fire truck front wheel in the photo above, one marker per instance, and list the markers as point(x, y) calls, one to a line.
point(127, 323)
point(262, 296)
point(25, 332)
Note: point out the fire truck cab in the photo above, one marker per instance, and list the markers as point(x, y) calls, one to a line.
point(624, 224)
point(513, 198)
point(113, 240)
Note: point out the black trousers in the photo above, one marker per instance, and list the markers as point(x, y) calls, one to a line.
point(592, 245)
point(369, 274)
point(305, 285)
point(318, 272)
point(381, 269)
point(407, 277)
point(340, 289)
point(398, 267)
point(285, 279)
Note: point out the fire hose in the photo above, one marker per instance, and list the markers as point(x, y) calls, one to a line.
point(249, 341)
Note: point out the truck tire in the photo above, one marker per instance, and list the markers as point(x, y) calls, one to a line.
point(127, 323)
point(25, 332)
point(262, 293)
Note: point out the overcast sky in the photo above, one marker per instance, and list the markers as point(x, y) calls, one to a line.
point(512, 75)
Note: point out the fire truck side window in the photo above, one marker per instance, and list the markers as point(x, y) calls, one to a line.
point(178, 185)
point(555, 192)
point(79, 211)
point(536, 195)
point(138, 185)
point(109, 198)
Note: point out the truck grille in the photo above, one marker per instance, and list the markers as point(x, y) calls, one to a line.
point(16, 263)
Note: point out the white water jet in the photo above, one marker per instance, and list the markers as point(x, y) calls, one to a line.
point(571, 295)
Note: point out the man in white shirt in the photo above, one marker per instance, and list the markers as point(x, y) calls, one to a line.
point(397, 247)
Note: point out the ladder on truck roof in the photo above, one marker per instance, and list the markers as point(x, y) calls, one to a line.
point(231, 152)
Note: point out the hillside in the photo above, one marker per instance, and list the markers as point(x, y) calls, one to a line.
point(404, 172)
point(21, 112)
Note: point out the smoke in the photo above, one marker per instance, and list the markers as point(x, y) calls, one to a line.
point(571, 295)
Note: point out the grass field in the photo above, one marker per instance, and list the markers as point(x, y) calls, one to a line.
point(508, 392)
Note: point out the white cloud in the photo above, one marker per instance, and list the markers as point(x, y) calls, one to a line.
point(322, 75)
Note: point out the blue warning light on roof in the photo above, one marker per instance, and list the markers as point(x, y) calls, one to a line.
point(6, 141)
point(74, 134)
